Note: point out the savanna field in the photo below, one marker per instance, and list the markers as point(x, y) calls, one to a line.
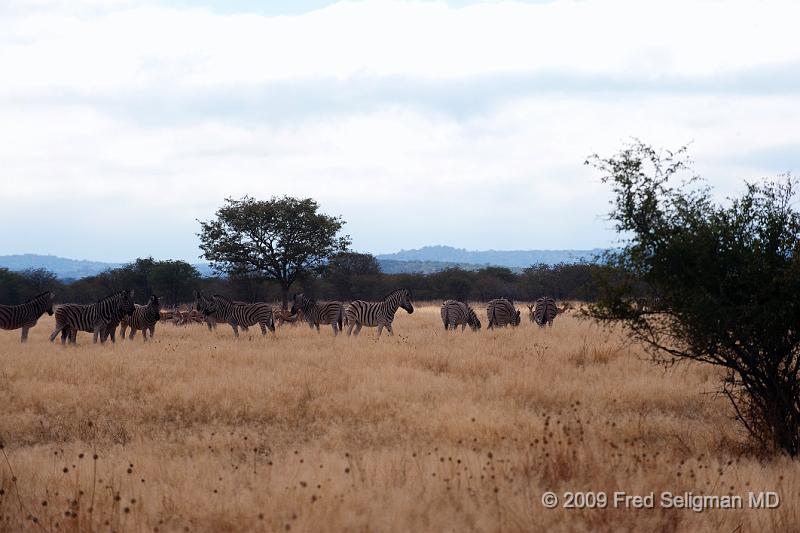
point(424, 431)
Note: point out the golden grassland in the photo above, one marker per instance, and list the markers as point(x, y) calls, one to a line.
point(425, 431)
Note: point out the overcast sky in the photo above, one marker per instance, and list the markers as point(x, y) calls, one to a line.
point(427, 122)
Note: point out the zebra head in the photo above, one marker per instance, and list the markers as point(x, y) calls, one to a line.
point(405, 301)
point(126, 306)
point(49, 302)
point(473, 320)
point(299, 302)
point(154, 302)
point(203, 305)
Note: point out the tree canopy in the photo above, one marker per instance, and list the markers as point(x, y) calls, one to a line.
point(279, 239)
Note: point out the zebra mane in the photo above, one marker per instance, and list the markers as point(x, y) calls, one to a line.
point(396, 291)
point(223, 298)
point(111, 297)
point(45, 293)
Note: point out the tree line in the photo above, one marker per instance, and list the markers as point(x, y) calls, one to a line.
point(345, 276)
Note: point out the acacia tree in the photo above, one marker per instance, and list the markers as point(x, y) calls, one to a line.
point(278, 239)
point(722, 282)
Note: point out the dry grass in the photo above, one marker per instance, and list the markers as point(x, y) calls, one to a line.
point(426, 431)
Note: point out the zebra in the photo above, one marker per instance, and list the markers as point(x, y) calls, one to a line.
point(544, 311)
point(501, 312)
point(241, 314)
point(381, 314)
point(144, 318)
point(454, 313)
point(205, 306)
point(100, 318)
point(26, 315)
point(319, 313)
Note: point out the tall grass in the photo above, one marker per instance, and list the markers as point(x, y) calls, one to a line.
point(425, 431)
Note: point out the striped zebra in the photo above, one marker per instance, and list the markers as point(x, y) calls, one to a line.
point(319, 313)
point(143, 318)
point(26, 315)
point(205, 306)
point(100, 318)
point(544, 311)
point(381, 314)
point(501, 312)
point(455, 313)
point(241, 315)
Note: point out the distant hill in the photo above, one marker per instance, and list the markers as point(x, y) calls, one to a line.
point(65, 268)
point(60, 266)
point(423, 260)
point(391, 266)
point(507, 258)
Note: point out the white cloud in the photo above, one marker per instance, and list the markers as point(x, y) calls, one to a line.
point(418, 122)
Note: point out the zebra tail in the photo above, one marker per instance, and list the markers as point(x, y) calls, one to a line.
point(56, 332)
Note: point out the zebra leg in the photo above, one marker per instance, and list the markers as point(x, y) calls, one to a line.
point(335, 329)
point(380, 328)
point(235, 329)
point(24, 334)
point(389, 329)
point(152, 331)
point(462, 327)
point(350, 328)
point(122, 329)
point(317, 326)
point(358, 329)
point(131, 336)
point(73, 336)
point(263, 328)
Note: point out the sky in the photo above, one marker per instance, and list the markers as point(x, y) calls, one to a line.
point(465, 123)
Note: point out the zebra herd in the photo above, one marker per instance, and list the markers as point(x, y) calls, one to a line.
point(102, 318)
